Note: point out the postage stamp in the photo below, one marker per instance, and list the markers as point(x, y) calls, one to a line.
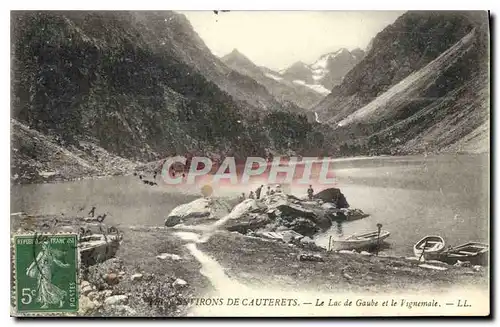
point(46, 273)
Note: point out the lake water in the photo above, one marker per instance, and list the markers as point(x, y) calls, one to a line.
point(410, 196)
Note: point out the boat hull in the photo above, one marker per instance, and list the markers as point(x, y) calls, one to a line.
point(433, 245)
point(455, 254)
point(356, 244)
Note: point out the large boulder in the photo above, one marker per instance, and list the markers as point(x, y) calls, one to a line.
point(333, 195)
point(316, 215)
point(300, 225)
point(275, 199)
point(345, 214)
point(247, 206)
point(199, 209)
point(245, 216)
point(246, 223)
point(295, 210)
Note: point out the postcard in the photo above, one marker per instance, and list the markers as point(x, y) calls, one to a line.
point(250, 163)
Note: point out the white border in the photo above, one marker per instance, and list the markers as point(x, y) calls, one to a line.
point(198, 5)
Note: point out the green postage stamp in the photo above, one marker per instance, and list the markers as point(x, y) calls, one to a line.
point(46, 273)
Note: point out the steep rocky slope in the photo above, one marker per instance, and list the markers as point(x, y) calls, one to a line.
point(282, 89)
point(171, 33)
point(429, 92)
point(407, 45)
point(38, 158)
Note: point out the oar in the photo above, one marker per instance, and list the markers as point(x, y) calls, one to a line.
point(379, 227)
point(329, 243)
point(423, 250)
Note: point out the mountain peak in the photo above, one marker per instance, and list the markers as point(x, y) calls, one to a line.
point(236, 56)
point(299, 64)
point(235, 52)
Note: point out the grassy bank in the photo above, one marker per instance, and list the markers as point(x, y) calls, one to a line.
point(264, 263)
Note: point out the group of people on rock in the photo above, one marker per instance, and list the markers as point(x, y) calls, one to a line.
point(258, 192)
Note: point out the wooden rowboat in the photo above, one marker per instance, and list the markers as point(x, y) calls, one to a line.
point(429, 245)
point(98, 248)
point(474, 252)
point(360, 241)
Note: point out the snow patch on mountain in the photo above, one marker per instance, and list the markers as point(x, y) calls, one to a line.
point(276, 78)
point(320, 67)
point(315, 87)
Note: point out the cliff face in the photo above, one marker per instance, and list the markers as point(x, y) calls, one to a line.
point(428, 92)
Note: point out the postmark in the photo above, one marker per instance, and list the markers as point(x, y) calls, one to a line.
point(46, 273)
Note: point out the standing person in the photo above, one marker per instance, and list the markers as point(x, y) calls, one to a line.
point(258, 191)
point(278, 188)
point(310, 192)
point(92, 212)
point(270, 157)
point(268, 192)
point(251, 195)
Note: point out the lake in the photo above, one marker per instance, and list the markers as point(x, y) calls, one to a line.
point(411, 196)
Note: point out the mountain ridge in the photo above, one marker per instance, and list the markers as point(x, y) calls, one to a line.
point(284, 91)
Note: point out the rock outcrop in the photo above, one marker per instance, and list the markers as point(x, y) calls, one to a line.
point(333, 196)
point(283, 213)
point(202, 209)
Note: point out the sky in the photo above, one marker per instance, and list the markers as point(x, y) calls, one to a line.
point(277, 39)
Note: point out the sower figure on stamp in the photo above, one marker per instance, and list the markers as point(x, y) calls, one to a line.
point(41, 269)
